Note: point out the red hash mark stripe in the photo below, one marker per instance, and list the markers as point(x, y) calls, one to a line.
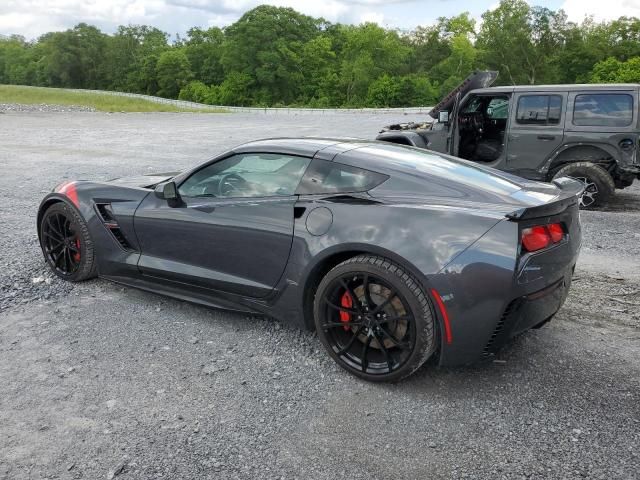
point(445, 315)
point(69, 190)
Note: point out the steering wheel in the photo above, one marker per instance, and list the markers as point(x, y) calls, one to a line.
point(230, 183)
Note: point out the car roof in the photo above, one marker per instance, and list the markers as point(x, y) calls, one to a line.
point(402, 164)
point(367, 154)
point(305, 146)
point(559, 88)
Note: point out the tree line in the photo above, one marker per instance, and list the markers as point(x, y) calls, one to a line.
point(275, 56)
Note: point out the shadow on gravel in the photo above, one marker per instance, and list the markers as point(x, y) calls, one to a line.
point(623, 201)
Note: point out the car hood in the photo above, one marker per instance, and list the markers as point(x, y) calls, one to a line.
point(472, 82)
point(144, 181)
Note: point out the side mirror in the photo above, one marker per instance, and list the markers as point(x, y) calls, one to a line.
point(166, 191)
point(443, 116)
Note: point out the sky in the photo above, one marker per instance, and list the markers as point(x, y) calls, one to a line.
point(32, 18)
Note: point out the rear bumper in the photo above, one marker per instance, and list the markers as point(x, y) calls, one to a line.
point(526, 312)
point(493, 293)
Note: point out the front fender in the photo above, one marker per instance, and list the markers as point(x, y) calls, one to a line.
point(83, 196)
point(401, 137)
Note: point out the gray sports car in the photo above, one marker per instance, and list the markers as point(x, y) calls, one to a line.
point(394, 255)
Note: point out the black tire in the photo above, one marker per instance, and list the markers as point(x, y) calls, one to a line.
point(66, 243)
point(599, 184)
point(401, 348)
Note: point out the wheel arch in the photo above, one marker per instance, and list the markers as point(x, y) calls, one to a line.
point(600, 154)
point(48, 201)
point(333, 256)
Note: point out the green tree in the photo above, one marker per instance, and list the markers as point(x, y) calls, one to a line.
point(73, 58)
point(431, 45)
point(384, 92)
point(318, 64)
point(266, 44)
point(277, 56)
point(521, 41)
point(173, 72)
point(235, 90)
point(16, 61)
point(456, 67)
point(196, 91)
point(368, 52)
point(204, 50)
point(131, 58)
point(401, 91)
point(612, 70)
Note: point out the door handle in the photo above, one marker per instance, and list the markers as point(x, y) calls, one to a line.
point(546, 137)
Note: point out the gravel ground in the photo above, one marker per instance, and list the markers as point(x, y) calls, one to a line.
point(43, 107)
point(101, 381)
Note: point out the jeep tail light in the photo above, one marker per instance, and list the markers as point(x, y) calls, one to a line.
point(541, 236)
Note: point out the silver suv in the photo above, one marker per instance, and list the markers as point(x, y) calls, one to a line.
point(540, 132)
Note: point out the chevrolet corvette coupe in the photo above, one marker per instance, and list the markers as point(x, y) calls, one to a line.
point(393, 254)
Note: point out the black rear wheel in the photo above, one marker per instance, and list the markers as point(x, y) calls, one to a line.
point(598, 184)
point(374, 319)
point(66, 243)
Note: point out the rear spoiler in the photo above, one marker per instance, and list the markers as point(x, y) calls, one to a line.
point(571, 191)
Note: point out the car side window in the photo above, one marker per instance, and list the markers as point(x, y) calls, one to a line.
point(603, 110)
point(247, 175)
point(539, 109)
point(332, 177)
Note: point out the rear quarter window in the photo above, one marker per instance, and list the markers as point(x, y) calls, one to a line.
point(603, 110)
point(331, 177)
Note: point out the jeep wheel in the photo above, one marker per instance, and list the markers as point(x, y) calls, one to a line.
point(599, 185)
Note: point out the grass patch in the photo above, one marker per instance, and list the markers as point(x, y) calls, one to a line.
point(103, 103)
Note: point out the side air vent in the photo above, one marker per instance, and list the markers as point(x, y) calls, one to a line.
point(120, 238)
point(105, 212)
point(488, 349)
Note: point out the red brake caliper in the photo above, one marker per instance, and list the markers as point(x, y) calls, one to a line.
point(76, 256)
point(345, 302)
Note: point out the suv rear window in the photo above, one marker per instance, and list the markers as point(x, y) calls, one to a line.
point(539, 109)
point(331, 177)
point(603, 110)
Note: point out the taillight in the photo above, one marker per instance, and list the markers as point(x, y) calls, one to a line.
point(556, 231)
point(541, 236)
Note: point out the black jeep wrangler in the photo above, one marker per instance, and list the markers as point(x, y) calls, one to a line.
point(540, 132)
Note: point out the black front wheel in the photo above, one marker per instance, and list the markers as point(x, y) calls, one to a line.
point(374, 319)
point(66, 243)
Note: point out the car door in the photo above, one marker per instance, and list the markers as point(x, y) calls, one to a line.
point(231, 229)
point(535, 131)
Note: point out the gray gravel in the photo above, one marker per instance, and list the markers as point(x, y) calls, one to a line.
point(43, 107)
point(101, 381)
